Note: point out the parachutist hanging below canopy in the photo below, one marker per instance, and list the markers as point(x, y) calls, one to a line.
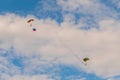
point(34, 29)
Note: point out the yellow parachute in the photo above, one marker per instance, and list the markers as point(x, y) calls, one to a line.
point(86, 59)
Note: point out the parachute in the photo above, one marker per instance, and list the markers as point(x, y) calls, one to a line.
point(30, 22)
point(86, 59)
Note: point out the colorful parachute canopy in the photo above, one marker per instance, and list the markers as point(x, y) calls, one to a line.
point(30, 20)
point(86, 59)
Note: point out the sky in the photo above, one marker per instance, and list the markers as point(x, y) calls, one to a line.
point(67, 31)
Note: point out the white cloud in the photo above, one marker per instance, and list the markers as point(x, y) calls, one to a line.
point(75, 78)
point(22, 77)
point(116, 3)
point(93, 8)
point(63, 43)
point(109, 24)
point(73, 4)
point(114, 78)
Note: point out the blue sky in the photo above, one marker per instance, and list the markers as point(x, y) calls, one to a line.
point(66, 30)
point(14, 6)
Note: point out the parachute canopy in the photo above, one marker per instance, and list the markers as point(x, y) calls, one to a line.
point(86, 59)
point(30, 20)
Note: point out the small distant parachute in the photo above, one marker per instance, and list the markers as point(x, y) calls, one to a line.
point(86, 59)
point(29, 21)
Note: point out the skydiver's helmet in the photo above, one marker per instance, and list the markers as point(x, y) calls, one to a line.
point(34, 29)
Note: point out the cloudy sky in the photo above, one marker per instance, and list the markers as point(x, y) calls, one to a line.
point(66, 32)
